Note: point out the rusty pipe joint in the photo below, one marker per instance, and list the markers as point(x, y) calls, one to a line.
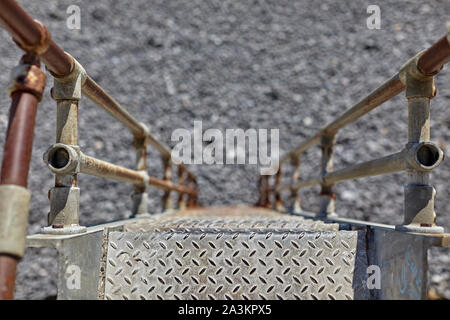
point(146, 130)
point(63, 217)
point(68, 87)
point(40, 46)
point(27, 78)
point(14, 207)
point(63, 159)
point(423, 157)
point(418, 84)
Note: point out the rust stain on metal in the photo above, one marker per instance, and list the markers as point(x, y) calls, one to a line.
point(8, 266)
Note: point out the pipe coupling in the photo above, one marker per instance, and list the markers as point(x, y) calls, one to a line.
point(68, 87)
point(14, 207)
point(423, 156)
point(418, 85)
point(27, 78)
point(43, 44)
point(63, 159)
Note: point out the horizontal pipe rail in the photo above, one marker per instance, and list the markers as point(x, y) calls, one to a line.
point(424, 157)
point(386, 91)
point(95, 93)
point(429, 63)
point(436, 56)
point(63, 160)
point(31, 35)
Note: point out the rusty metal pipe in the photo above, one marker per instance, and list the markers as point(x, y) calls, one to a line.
point(32, 36)
point(432, 60)
point(63, 159)
point(26, 91)
point(19, 140)
point(8, 270)
point(386, 91)
point(94, 92)
point(29, 33)
point(423, 157)
point(429, 63)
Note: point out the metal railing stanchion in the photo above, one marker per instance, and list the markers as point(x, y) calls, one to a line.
point(27, 87)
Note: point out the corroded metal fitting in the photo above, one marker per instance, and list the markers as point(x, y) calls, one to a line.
point(327, 140)
point(419, 210)
point(423, 156)
point(42, 45)
point(63, 159)
point(68, 87)
point(14, 207)
point(27, 78)
point(64, 211)
point(146, 129)
point(418, 85)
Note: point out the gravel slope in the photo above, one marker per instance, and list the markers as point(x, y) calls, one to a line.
point(292, 65)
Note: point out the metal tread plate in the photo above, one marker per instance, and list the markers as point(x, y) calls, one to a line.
point(230, 224)
point(230, 265)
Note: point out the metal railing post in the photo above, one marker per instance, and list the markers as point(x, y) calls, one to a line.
point(28, 83)
point(326, 196)
point(419, 214)
point(181, 197)
point(264, 191)
point(295, 194)
point(278, 201)
point(140, 195)
point(167, 198)
point(64, 198)
point(192, 199)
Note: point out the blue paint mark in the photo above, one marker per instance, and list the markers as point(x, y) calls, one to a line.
point(415, 282)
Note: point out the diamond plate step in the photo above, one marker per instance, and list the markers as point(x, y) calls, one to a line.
point(242, 255)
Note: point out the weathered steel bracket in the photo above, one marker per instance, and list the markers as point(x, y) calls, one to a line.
point(419, 214)
point(63, 217)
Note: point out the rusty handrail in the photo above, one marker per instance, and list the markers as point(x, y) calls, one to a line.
point(28, 83)
point(70, 81)
point(66, 160)
point(418, 158)
point(32, 36)
point(386, 91)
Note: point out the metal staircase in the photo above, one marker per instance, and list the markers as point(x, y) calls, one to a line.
point(187, 252)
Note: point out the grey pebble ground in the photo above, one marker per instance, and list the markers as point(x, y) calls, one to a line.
point(292, 65)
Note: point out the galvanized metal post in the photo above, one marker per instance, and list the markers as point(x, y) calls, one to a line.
point(327, 197)
point(419, 214)
point(28, 83)
point(192, 199)
point(64, 198)
point(140, 196)
point(181, 197)
point(264, 192)
point(167, 198)
point(278, 201)
point(295, 194)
